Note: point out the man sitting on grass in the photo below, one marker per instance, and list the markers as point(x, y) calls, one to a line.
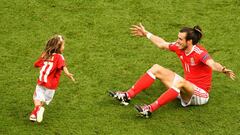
point(194, 88)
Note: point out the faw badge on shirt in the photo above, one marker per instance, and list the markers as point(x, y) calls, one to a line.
point(192, 62)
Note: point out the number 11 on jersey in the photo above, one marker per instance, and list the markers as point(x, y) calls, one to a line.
point(44, 72)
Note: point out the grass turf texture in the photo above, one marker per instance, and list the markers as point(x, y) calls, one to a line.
point(102, 55)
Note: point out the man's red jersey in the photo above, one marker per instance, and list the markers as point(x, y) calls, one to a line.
point(50, 71)
point(194, 64)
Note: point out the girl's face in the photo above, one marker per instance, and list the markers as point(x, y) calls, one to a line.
point(62, 47)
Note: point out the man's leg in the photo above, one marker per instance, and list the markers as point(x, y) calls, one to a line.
point(144, 82)
point(176, 84)
point(156, 71)
point(183, 87)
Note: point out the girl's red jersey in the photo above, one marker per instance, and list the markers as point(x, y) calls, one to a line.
point(50, 71)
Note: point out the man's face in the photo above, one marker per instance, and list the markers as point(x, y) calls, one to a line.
point(182, 40)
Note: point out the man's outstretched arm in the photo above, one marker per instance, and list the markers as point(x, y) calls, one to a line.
point(219, 68)
point(139, 30)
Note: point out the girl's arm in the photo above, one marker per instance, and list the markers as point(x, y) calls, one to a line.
point(69, 75)
point(39, 62)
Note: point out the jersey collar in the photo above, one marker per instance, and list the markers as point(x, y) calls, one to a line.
point(190, 51)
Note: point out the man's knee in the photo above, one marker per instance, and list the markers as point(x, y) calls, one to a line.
point(156, 69)
point(156, 66)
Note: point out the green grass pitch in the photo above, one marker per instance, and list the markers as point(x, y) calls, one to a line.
point(103, 55)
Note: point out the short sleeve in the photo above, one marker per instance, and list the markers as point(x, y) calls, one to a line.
point(204, 56)
point(61, 62)
point(173, 47)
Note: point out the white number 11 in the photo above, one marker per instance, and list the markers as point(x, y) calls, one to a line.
point(45, 71)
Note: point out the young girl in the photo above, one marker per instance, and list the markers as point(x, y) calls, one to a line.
point(51, 64)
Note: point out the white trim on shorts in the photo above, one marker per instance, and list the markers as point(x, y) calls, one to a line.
point(43, 94)
point(199, 97)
